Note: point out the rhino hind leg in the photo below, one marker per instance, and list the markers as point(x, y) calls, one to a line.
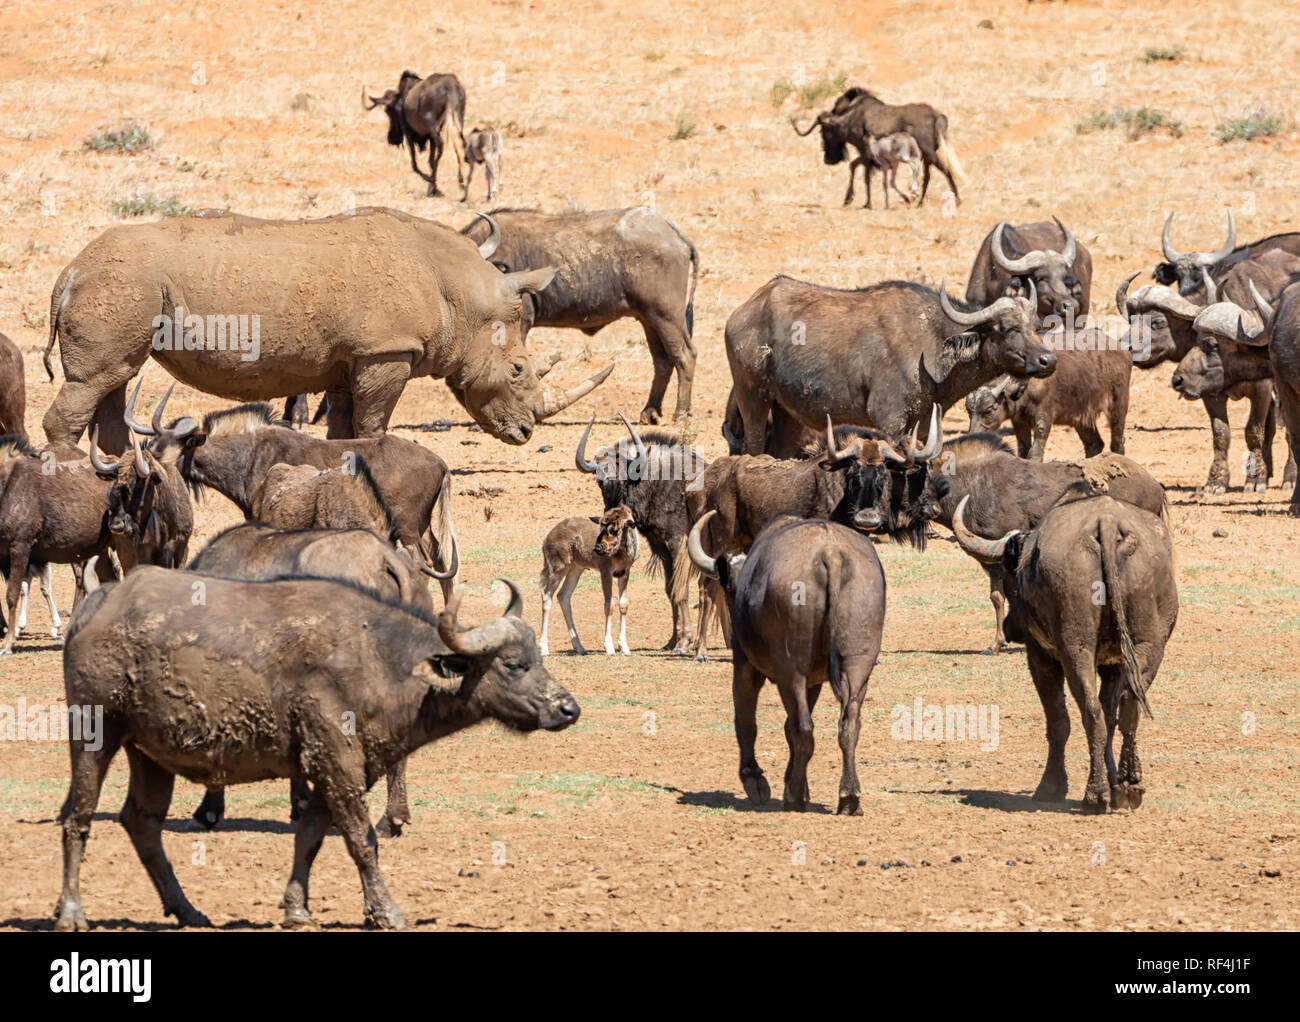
point(149, 794)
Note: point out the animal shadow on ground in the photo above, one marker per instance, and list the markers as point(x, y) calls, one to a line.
point(1006, 801)
point(181, 825)
point(46, 923)
point(729, 800)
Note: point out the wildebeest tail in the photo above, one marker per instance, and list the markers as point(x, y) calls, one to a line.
point(437, 543)
point(695, 277)
point(947, 154)
point(58, 298)
point(453, 131)
point(684, 573)
point(1108, 539)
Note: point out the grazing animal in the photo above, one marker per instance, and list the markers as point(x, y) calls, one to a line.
point(609, 264)
point(889, 153)
point(484, 145)
point(880, 356)
point(609, 545)
point(259, 553)
point(1009, 493)
point(235, 449)
point(1091, 380)
point(425, 112)
point(1160, 330)
point(1091, 591)
point(267, 671)
point(356, 305)
point(13, 390)
point(807, 606)
point(651, 475)
point(1044, 252)
point(858, 115)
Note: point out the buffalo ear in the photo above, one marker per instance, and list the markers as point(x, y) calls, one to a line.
point(1015, 388)
point(438, 670)
point(1165, 274)
point(834, 464)
point(1011, 554)
point(963, 347)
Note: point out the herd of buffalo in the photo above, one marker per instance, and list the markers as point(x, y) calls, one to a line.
point(304, 642)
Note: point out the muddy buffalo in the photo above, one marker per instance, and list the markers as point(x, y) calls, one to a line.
point(356, 305)
point(1047, 253)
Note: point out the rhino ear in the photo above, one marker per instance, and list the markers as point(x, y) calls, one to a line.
point(525, 282)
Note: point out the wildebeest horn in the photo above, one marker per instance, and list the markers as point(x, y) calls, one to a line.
point(934, 441)
point(1025, 264)
point(1172, 255)
point(987, 550)
point(1211, 292)
point(962, 318)
point(156, 422)
point(129, 415)
point(99, 465)
point(489, 247)
point(642, 455)
point(695, 548)
point(141, 463)
point(852, 451)
point(1121, 295)
point(89, 580)
point(1068, 252)
point(450, 572)
point(1265, 310)
point(802, 134)
point(552, 404)
point(580, 456)
point(373, 102)
point(487, 638)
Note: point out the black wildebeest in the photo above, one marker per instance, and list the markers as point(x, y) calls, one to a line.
point(425, 112)
point(1046, 252)
point(609, 264)
point(1161, 331)
point(650, 474)
point(257, 552)
point(858, 114)
point(310, 679)
point(807, 606)
point(1091, 380)
point(607, 543)
point(13, 390)
point(1010, 493)
point(1091, 591)
point(881, 356)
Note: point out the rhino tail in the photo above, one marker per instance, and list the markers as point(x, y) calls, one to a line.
point(1109, 538)
point(58, 299)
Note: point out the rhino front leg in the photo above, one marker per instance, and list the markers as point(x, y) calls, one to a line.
point(377, 384)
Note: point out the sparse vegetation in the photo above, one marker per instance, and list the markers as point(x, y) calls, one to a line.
point(653, 55)
point(1258, 123)
point(1135, 123)
point(685, 129)
point(811, 93)
point(1154, 53)
point(302, 102)
point(147, 203)
point(129, 138)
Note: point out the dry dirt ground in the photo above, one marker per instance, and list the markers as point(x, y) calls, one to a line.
point(635, 817)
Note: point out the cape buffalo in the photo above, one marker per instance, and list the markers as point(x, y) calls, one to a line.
point(609, 264)
point(1188, 269)
point(425, 112)
point(250, 309)
point(1091, 380)
point(302, 678)
point(880, 356)
point(858, 114)
point(13, 390)
point(1009, 493)
point(651, 475)
point(260, 553)
point(1091, 591)
point(1282, 325)
point(807, 606)
point(1161, 330)
point(1046, 252)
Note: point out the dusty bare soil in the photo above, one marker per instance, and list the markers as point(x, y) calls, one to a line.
point(635, 817)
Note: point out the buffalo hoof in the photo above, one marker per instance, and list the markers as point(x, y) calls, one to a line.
point(190, 916)
point(650, 417)
point(1095, 802)
point(386, 917)
point(757, 789)
point(848, 806)
point(71, 920)
point(1052, 790)
point(298, 919)
point(203, 821)
point(993, 650)
point(1126, 796)
point(794, 804)
point(388, 827)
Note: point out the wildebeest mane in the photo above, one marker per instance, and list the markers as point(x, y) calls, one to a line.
point(19, 443)
point(247, 418)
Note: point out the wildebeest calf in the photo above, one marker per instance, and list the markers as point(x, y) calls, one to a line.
point(807, 606)
point(1089, 382)
point(1091, 590)
point(891, 151)
point(484, 145)
point(609, 544)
